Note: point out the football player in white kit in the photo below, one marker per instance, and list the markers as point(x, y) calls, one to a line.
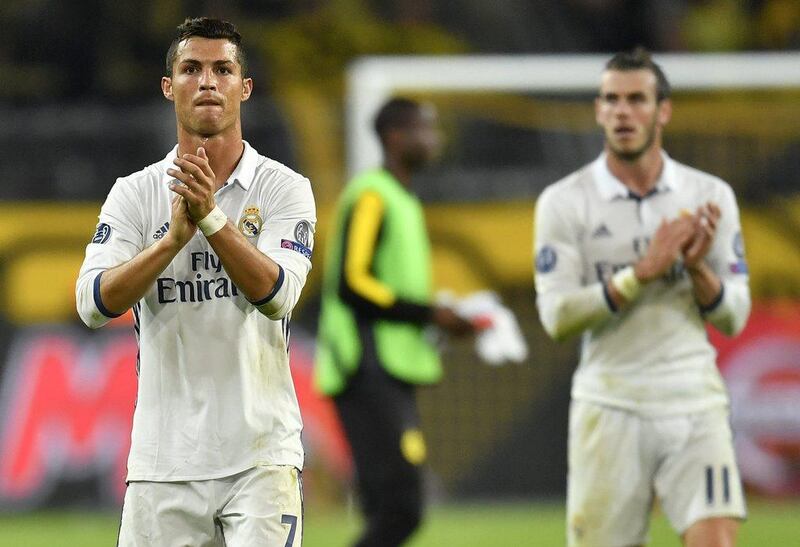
point(638, 252)
point(210, 247)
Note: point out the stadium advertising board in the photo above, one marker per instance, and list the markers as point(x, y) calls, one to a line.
point(762, 370)
point(67, 401)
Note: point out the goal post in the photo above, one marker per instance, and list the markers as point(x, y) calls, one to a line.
point(372, 80)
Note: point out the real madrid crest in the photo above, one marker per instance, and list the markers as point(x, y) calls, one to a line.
point(250, 223)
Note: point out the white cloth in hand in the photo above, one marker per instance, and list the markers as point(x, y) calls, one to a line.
point(499, 339)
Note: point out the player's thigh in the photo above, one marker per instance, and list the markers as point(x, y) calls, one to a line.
point(609, 494)
point(264, 508)
point(700, 479)
point(168, 513)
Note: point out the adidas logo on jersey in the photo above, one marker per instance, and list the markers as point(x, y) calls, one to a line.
point(601, 231)
point(161, 231)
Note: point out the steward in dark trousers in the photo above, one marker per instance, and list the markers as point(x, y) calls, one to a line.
point(376, 302)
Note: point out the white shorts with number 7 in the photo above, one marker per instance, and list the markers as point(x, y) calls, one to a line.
point(262, 506)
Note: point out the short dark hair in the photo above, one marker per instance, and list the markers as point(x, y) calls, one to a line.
point(397, 113)
point(640, 59)
point(206, 27)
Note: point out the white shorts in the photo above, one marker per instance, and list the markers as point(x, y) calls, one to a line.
point(618, 462)
point(262, 506)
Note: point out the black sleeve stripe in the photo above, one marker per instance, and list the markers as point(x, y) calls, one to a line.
point(714, 304)
point(608, 298)
point(274, 291)
point(98, 301)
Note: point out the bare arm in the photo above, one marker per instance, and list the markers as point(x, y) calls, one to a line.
point(253, 272)
point(706, 285)
point(124, 285)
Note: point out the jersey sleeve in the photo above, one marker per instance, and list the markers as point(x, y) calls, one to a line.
point(118, 238)
point(566, 304)
point(730, 310)
point(359, 288)
point(287, 237)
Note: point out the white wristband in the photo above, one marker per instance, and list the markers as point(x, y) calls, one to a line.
point(626, 283)
point(213, 222)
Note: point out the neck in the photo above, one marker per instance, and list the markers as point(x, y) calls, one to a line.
point(223, 150)
point(398, 170)
point(639, 175)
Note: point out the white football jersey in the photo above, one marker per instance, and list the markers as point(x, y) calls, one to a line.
point(653, 356)
point(215, 392)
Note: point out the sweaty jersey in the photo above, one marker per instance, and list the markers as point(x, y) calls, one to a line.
point(215, 392)
point(652, 356)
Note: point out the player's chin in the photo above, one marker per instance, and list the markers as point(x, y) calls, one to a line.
point(626, 149)
point(207, 125)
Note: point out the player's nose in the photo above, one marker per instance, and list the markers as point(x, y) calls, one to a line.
point(208, 81)
point(622, 108)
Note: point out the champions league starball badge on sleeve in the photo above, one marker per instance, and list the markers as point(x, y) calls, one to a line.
point(546, 259)
point(302, 239)
point(302, 233)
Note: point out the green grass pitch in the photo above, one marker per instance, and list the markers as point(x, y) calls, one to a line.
point(480, 525)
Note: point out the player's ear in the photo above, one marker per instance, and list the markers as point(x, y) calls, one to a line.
point(247, 88)
point(166, 88)
point(664, 112)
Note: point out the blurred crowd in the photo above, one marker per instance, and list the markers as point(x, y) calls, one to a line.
point(81, 78)
point(54, 51)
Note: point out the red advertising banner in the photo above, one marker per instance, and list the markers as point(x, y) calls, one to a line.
point(67, 397)
point(762, 370)
point(67, 407)
point(67, 402)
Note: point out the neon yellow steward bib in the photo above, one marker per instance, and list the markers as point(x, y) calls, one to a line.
point(402, 261)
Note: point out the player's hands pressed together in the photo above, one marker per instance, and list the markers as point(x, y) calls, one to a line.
point(181, 226)
point(199, 183)
point(253, 272)
point(706, 285)
point(705, 228)
point(665, 248)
